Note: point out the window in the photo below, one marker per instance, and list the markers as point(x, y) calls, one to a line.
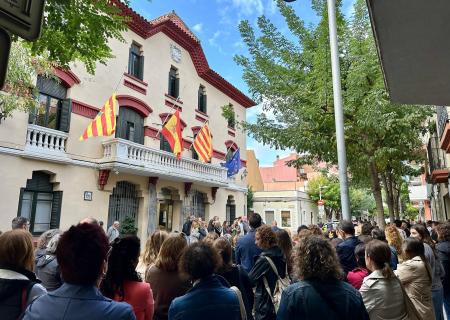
point(164, 144)
point(40, 204)
point(136, 62)
point(230, 209)
point(194, 153)
point(285, 219)
point(174, 83)
point(54, 110)
point(270, 217)
point(130, 125)
point(202, 99)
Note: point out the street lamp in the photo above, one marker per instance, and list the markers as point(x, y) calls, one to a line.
point(320, 191)
point(338, 110)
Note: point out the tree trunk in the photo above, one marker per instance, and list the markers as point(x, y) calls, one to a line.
point(397, 199)
point(376, 189)
point(389, 198)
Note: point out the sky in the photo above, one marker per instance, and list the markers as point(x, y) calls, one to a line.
point(215, 23)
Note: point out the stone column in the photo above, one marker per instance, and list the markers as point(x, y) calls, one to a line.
point(152, 205)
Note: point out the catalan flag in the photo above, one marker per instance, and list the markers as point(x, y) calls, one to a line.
point(203, 144)
point(172, 132)
point(104, 123)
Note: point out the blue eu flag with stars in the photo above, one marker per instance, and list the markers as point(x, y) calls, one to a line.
point(234, 164)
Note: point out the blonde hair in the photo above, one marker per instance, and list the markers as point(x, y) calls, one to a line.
point(16, 249)
point(393, 238)
point(153, 245)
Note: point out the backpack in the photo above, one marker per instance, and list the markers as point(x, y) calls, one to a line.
point(280, 285)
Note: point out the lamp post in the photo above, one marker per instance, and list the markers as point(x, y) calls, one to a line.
point(338, 110)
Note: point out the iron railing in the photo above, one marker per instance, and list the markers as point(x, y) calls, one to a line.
point(442, 119)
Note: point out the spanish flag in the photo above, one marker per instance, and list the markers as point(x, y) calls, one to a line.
point(203, 144)
point(104, 123)
point(172, 132)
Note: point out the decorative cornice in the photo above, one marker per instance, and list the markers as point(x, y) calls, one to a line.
point(67, 77)
point(197, 117)
point(134, 103)
point(133, 86)
point(145, 84)
point(172, 105)
point(84, 109)
point(195, 129)
point(202, 114)
point(172, 26)
point(174, 100)
point(231, 133)
point(151, 132)
point(231, 144)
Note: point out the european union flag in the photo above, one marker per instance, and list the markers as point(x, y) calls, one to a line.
point(234, 164)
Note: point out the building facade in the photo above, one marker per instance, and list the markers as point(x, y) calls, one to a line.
point(54, 179)
point(280, 192)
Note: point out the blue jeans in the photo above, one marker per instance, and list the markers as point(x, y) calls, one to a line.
point(447, 304)
point(438, 301)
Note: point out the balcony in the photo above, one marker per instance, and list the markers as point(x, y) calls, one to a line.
point(437, 170)
point(127, 156)
point(45, 144)
point(443, 128)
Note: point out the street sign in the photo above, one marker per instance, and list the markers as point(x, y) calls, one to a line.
point(5, 46)
point(321, 210)
point(22, 17)
point(320, 202)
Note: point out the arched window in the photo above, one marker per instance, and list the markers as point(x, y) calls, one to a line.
point(40, 204)
point(202, 99)
point(174, 83)
point(136, 61)
point(130, 125)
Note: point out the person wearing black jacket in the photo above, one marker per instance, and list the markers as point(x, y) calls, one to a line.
point(346, 249)
point(266, 240)
point(443, 251)
point(234, 274)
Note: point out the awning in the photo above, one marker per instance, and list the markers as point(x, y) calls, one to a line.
point(413, 42)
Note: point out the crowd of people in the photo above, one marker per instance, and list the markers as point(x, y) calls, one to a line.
point(243, 270)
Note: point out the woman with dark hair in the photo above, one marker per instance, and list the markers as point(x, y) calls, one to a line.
point(420, 232)
point(320, 293)
point(234, 274)
point(210, 296)
point(82, 255)
point(381, 291)
point(357, 275)
point(122, 282)
point(164, 276)
point(443, 250)
point(284, 242)
point(416, 276)
point(263, 275)
point(18, 284)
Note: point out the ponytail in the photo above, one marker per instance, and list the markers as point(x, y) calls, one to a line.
point(387, 271)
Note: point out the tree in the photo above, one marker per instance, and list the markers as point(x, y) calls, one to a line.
point(293, 74)
point(250, 195)
point(326, 188)
point(72, 31)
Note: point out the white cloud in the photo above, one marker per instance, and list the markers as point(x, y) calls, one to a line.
point(214, 40)
point(249, 7)
point(198, 27)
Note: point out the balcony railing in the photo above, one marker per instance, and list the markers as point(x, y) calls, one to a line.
point(138, 157)
point(45, 141)
point(438, 172)
point(442, 119)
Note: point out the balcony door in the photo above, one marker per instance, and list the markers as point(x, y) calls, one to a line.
point(230, 209)
point(130, 125)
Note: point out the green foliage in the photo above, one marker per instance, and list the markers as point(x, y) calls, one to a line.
point(76, 30)
point(411, 212)
point(361, 201)
point(292, 74)
point(229, 114)
point(328, 187)
point(22, 72)
point(72, 31)
point(249, 199)
point(128, 226)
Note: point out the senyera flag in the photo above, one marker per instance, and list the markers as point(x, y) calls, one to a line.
point(104, 123)
point(203, 144)
point(172, 132)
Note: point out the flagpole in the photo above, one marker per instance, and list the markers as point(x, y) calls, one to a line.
point(169, 114)
point(204, 124)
